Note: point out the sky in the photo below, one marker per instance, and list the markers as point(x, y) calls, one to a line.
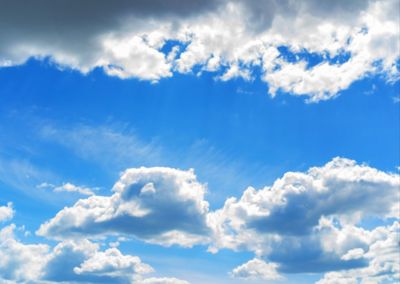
point(214, 141)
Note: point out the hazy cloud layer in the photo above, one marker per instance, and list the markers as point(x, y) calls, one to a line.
point(128, 39)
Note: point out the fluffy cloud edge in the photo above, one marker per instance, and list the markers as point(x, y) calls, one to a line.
point(257, 269)
point(70, 261)
point(6, 212)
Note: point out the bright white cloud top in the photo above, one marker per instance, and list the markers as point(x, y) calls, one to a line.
point(153, 40)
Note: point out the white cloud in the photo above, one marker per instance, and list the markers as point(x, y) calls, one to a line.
point(6, 212)
point(219, 35)
point(69, 262)
point(306, 222)
point(311, 217)
point(113, 263)
point(67, 187)
point(83, 261)
point(383, 256)
point(18, 261)
point(159, 205)
point(257, 269)
point(353, 254)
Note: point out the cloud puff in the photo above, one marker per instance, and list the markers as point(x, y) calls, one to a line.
point(69, 261)
point(67, 187)
point(306, 222)
point(383, 255)
point(6, 212)
point(159, 205)
point(113, 263)
point(257, 269)
point(18, 261)
point(230, 37)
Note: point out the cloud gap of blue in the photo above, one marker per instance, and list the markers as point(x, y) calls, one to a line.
point(312, 58)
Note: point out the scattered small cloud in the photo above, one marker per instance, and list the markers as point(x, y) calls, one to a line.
point(68, 187)
point(6, 212)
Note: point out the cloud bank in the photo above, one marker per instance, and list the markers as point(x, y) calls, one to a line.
point(304, 222)
point(268, 39)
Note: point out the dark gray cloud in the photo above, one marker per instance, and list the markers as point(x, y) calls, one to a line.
point(79, 17)
point(45, 26)
point(261, 13)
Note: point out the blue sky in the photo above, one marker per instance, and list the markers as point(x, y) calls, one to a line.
point(178, 152)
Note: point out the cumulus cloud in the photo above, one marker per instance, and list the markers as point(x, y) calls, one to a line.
point(257, 269)
point(304, 222)
point(69, 261)
point(113, 263)
point(383, 256)
point(230, 37)
point(159, 205)
point(78, 34)
point(18, 261)
point(6, 212)
point(67, 187)
point(307, 222)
